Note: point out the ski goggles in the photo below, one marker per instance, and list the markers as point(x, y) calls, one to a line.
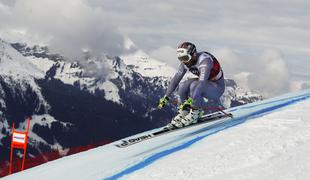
point(183, 56)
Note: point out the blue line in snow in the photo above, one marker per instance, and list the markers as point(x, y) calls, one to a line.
point(216, 128)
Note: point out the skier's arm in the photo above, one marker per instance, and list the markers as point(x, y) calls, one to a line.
point(175, 80)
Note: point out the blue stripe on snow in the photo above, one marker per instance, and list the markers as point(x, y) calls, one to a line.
point(212, 130)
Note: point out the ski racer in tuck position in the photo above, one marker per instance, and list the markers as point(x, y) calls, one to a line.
point(209, 84)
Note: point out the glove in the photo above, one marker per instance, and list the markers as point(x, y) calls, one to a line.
point(163, 101)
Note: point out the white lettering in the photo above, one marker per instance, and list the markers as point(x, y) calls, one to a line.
point(133, 140)
point(202, 74)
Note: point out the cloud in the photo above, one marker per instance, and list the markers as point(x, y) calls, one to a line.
point(269, 75)
point(300, 85)
point(240, 33)
point(166, 54)
point(230, 61)
point(67, 27)
point(8, 2)
point(305, 85)
point(240, 22)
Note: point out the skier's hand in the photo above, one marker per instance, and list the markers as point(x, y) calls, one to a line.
point(163, 101)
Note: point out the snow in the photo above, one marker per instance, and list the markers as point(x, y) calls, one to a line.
point(71, 73)
point(147, 66)
point(110, 91)
point(16, 69)
point(2, 95)
point(142, 63)
point(265, 140)
point(67, 73)
point(14, 64)
point(3, 125)
point(43, 64)
point(129, 44)
point(275, 146)
point(42, 120)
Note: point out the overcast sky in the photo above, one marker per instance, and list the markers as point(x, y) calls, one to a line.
point(264, 44)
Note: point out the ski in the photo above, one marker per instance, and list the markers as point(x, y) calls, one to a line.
point(204, 119)
point(165, 130)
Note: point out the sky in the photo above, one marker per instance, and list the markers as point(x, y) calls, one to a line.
point(264, 45)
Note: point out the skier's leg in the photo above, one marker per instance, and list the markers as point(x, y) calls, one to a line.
point(210, 90)
point(184, 90)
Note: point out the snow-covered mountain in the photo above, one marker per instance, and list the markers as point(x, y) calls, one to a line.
point(21, 96)
point(68, 106)
point(93, 101)
point(142, 63)
point(270, 140)
point(17, 71)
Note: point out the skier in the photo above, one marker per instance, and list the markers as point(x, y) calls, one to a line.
point(209, 84)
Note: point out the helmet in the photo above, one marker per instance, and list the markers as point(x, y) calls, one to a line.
point(185, 52)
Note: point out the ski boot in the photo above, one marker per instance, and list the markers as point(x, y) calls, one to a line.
point(192, 117)
point(184, 110)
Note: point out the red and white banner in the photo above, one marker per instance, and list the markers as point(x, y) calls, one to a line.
point(19, 137)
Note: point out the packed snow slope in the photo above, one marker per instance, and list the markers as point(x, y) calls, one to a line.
point(265, 140)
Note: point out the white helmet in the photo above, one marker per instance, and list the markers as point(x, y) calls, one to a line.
point(185, 52)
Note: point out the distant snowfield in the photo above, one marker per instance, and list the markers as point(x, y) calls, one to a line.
point(265, 140)
point(147, 66)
